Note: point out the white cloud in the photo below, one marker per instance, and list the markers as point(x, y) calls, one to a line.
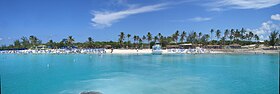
point(265, 29)
point(1, 39)
point(242, 4)
point(275, 17)
point(200, 19)
point(106, 19)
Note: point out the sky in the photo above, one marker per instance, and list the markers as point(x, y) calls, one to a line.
point(103, 20)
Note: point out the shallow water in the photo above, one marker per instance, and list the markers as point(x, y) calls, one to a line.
point(140, 74)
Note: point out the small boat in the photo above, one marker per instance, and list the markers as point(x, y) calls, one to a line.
point(156, 50)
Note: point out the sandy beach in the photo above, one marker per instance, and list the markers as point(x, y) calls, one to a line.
point(142, 51)
point(210, 51)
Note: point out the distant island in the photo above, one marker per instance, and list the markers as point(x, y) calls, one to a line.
point(216, 40)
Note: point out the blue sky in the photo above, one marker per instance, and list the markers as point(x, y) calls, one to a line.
point(105, 19)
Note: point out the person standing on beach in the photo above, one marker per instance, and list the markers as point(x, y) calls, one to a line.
point(112, 50)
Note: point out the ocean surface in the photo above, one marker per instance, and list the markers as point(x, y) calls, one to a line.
point(140, 74)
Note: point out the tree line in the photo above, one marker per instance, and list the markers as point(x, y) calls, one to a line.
point(216, 37)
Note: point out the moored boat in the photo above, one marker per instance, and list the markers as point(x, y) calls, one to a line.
point(156, 50)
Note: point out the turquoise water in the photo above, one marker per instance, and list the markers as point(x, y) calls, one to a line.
point(140, 74)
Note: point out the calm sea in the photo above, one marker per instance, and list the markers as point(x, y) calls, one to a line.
point(140, 74)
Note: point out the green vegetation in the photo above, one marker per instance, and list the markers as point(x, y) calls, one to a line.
point(273, 38)
point(232, 36)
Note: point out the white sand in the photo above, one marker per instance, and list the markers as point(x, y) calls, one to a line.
point(149, 51)
point(215, 51)
point(132, 51)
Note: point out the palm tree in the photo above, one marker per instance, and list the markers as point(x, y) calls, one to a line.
point(138, 38)
point(134, 40)
point(256, 37)
point(128, 41)
point(128, 36)
point(50, 44)
point(140, 42)
point(33, 40)
point(273, 38)
point(231, 37)
point(236, 34)
point(144, 38)
point(226, 33)
point(63, 43)
point(218, 34)
point(199, 35)
point(192, 37)
point(121, 38)
point(231, 34)
point(25, 42)
point(17, 44)
point(212, 30)
point(223, 39)
point(207, 37)
point(149, 38)
point(159, 38)
point(90, 42)
point(173, 38)
point(183, 35)
point(70, 41)
point(155, 39)
point(169, 39)
point(159, 35)
point(176, 36)
point(242, 32)
point(204, 39)
point(251, 35)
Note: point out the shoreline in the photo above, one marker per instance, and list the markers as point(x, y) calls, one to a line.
point(141, 51)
